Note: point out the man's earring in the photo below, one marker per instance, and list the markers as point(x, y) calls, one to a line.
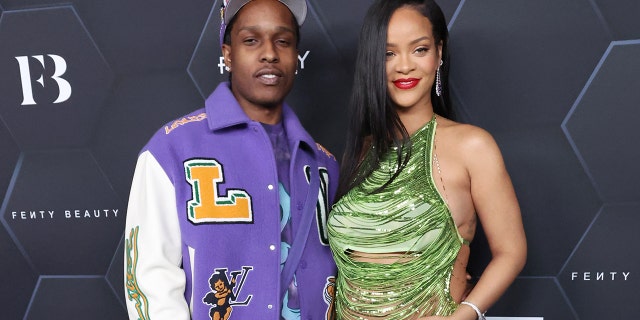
point(227, 68)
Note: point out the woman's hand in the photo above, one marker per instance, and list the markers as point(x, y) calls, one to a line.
point(462, 313)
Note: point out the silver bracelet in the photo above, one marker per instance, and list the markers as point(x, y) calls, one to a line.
point(475, 308)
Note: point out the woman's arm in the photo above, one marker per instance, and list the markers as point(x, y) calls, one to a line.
point(497, 208)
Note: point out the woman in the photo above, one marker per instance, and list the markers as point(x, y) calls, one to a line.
point(415, 183)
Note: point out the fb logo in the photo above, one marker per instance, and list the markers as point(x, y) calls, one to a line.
point(60, 65)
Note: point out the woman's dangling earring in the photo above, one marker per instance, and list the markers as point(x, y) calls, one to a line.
point(438, 82)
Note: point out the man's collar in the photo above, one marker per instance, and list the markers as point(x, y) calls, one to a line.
point(224, 111)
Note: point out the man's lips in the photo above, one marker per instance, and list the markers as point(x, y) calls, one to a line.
point(269, 76)
point(406, 83)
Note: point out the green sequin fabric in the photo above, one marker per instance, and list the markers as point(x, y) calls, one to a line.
point(409, 225)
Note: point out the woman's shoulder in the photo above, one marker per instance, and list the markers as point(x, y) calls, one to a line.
point(465, 136)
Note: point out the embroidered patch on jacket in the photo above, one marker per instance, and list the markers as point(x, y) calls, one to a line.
point(133, 291)
point(329, 297)
point(322, 206)
point(325, 151)
point(224, 294)
point(183, 121)
point(207, 205)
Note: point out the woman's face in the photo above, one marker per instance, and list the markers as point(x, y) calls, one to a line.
point(413, 57)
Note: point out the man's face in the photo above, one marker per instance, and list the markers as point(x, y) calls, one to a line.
point(262, 54)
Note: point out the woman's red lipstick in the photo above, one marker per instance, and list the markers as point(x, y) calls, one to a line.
point(406, 84)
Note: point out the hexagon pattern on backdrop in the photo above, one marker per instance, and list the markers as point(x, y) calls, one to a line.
point(600, 127)
point(63, 213)
point(63, 78)
point(84, 84)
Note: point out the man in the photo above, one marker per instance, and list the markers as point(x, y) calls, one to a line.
point(227, 212)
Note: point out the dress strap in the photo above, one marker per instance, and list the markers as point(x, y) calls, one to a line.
point(435, 159)
point(437, 165)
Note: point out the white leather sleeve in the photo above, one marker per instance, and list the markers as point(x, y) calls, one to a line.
point(154, 279)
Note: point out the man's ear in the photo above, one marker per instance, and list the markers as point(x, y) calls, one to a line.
point(226, 54)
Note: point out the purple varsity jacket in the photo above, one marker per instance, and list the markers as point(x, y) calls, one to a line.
point(203, 221)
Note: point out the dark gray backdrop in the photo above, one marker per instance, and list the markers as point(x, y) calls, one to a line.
point(83, 85)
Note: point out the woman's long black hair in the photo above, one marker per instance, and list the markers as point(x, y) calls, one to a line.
point(373, 120)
